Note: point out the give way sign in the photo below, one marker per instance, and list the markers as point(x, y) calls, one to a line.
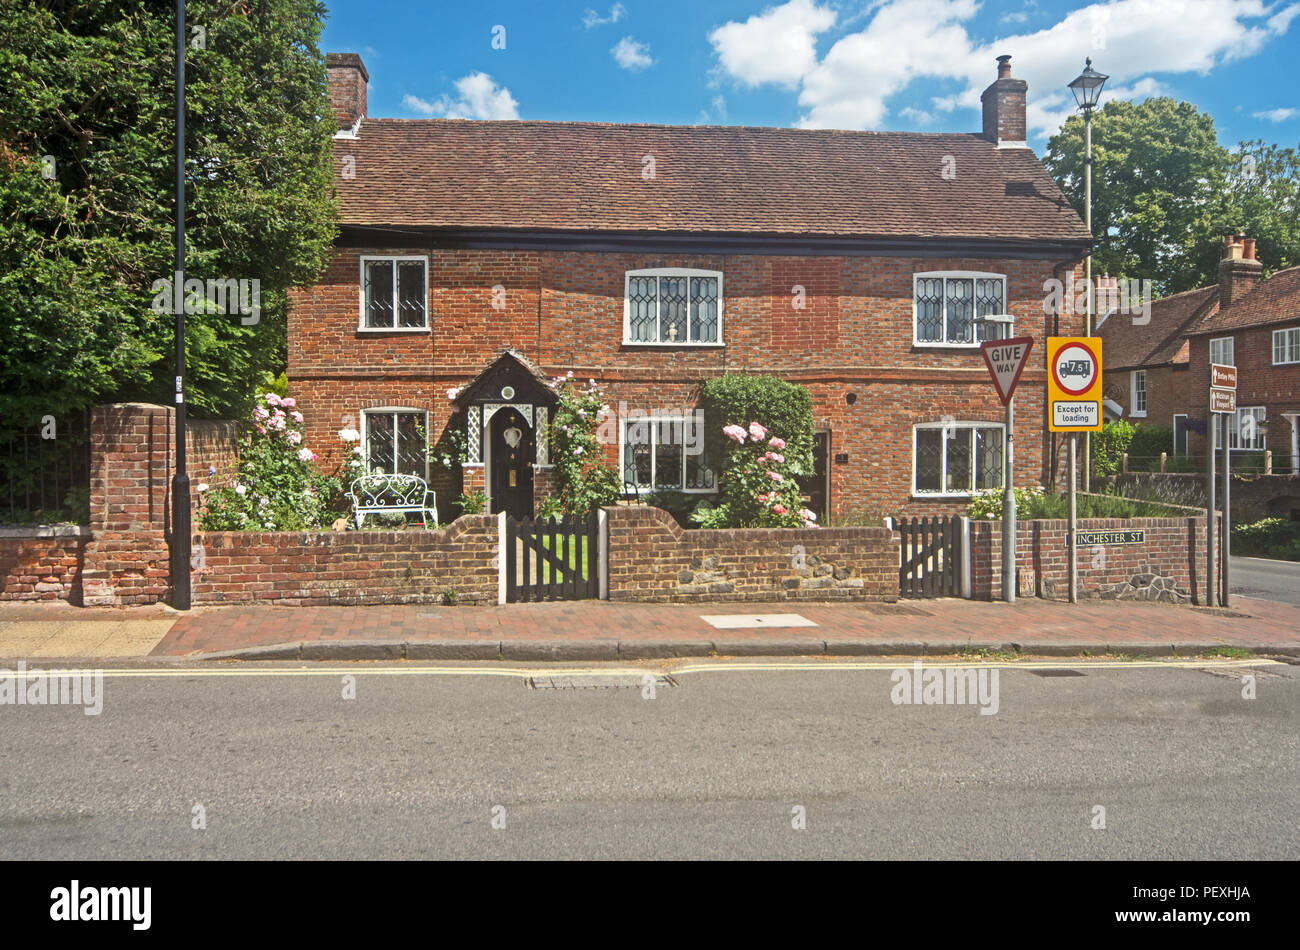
point(1006, 360)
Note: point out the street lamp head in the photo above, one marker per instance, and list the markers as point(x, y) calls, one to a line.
point(1087, 87)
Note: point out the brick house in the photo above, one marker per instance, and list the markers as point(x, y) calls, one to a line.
point(1255, 327)
point(488, 257)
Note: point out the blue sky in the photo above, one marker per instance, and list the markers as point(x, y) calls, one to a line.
point(915, 65)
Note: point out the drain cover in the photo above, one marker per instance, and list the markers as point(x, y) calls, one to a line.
point(1046, 673)
point(598, 681)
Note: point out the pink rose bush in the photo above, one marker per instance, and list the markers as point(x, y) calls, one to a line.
point(278, 487)
point(759, 486)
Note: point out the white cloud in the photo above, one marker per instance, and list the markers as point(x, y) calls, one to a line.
point(919, 116)
point(776, 45)
point(477, 97)
point(720, 107)
point(1276, 115)
point(850, 86)
point(591, 18)
point(632, 55)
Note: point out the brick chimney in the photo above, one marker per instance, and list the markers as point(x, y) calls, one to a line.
point(1239, 272)
point(1004, 107)
point(347, 86)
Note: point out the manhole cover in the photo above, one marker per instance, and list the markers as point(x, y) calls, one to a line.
point(599, 681)
point(1047, 673)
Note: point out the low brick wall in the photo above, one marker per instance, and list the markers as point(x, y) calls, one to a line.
point(320, 568)
point(1169, 565)
point(42, 563)
point(1253, 496)
point(652, 558)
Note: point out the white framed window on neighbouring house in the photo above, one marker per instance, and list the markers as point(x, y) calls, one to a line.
point(666, 453)
point(394, 293)
point(1245, 429)
point(1222, 351)
point(1138, 390)
point(672, 306)
point(1180, 433)
point(395, 440)
point(1286, 346)
point(956, 458)
point(947, 305)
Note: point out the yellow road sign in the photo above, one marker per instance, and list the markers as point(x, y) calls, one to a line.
point(1074, 383)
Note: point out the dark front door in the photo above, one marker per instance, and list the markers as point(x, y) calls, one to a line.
point(512, 463)
point(817, 486)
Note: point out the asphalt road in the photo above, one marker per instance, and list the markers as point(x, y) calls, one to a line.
point(1269, 580)
point(415, 766)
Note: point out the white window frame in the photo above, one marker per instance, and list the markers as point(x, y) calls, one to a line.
point(394, 259)
point(1230, 346)
point(943, 468)
point(1290, 346)
point(653, 422)
point(963, 274)
point(1134, 377)
point(687, 272)
point(393, 410)
point(1173, 448)
point(1232, 431)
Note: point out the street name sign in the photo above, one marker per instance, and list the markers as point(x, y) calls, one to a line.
point(1088, 538)
point(1074, 383)
point(1006, 360)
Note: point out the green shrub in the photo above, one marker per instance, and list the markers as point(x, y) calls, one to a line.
point(1109, 445)
point(1272, 537)
point(785, 408)
point(583, 480)
point(1145, 446)
point(472, 501)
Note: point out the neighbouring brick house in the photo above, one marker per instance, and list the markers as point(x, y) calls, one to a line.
point(1145, 366)
point(487, 257)
point(1255, 327)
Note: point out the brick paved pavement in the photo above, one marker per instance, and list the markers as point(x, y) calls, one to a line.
point(601, 630)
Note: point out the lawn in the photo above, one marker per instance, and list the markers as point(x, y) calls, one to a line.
point(576, 556)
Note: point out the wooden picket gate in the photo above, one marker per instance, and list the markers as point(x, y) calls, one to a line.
point(930, 552)
point(552, 560)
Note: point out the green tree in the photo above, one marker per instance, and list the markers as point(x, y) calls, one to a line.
point(87, 210)
point(1164, 192)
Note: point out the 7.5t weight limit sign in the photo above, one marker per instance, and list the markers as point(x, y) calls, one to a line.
point(1074, 383)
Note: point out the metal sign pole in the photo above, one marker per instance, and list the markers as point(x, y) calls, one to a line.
point(1211, 575)
point(1073, 526)
point(180, 562)
point(1227, 493)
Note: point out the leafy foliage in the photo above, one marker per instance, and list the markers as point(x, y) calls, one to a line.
point(1109, 446)
point(1165, 192)
point(472, 501)
point(583, 480)
point(91, 86)
point(278, 487)
point(1146, 445)
point(786, 408)
point(1271, 537)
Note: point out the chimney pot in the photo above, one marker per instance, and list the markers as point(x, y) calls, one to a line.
point(1249, 250)
point(1239, 272)
point(1004, 67)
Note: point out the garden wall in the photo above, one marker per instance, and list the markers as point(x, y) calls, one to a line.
point(1169, 565)
point(652, 558)
point(319, 568)
point(1254, 497)
point(41, 563)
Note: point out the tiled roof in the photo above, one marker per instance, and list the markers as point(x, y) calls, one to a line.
point(1128, 345)
point(1275, 300)
point(585, 176)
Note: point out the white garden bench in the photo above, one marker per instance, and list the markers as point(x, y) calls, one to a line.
point(373, 494)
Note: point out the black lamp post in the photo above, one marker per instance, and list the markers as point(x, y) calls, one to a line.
point(1087, 91)
point(180, 566)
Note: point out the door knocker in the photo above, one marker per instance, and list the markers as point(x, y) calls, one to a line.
point(512, 436)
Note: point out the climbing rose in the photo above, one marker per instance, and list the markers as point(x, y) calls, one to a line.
point(757, 432)
point(306, 455)
point(780, 509)
point(240, 490)
point(349, 435)
point(776, 443)
point(734, 432)
point(295, 438)
point(453, 393)
point(297, 416)
point(202, 487)
point(775, 457)
point(288, 402)
point(260, 412)
point(764, 497)
point(776, 476)
point(272, 399)
point(807, 515)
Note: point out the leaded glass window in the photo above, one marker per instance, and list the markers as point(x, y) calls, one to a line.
point(957, 459)
point(396, 442)
point(674, 306)
point(948, 308)
point(666, 452)
point(394, 293)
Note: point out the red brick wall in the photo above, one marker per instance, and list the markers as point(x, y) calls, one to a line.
point(1167, 393)
point(652, 558)
point(564, 311)
point(1174, 548)
point(42, 563)
point(351, 567)
point(1259, 383)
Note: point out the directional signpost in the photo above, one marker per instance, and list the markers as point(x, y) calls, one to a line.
point(1006, 359)
point(1223, 399)
point(1073, 405)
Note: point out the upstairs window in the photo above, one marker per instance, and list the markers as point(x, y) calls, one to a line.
point(394, 293)
point(673, 307)
point(1139, 392)
point(1286, 346)
point(1221, 351)
point(1245, 429)
point(947, 307)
